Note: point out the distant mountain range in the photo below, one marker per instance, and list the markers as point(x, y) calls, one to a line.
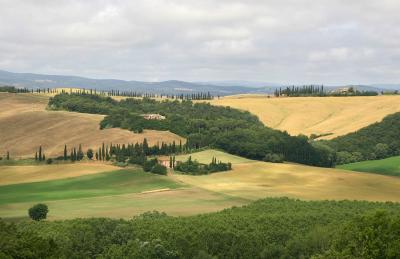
point(30, 80)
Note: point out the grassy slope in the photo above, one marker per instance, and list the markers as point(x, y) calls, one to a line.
point(101, 184)
point(254, 180)
point(388, 166)
point(23, 119)
point(319, 115)
point(121, 193)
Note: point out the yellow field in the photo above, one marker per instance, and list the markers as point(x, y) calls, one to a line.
point(206, 156)
point(37, 173)
point(254, 180)
point(25, 124)
point(315, 115)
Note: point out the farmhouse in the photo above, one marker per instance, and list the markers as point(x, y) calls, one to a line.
point(153, 116)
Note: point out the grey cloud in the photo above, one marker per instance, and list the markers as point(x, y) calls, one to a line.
point(290, 41)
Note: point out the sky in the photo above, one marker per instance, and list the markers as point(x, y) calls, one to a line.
point(282, 41)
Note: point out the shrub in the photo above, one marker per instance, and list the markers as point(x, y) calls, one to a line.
point(159, 169)
point(38, 212)
point(49, 161)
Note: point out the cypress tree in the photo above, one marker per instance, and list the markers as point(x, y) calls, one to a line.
point(40, 153)
point(65, 152)
point(170, 162)
point(173, 162)
point(8, 155)
point(97, 155)
point(43, 157)
point(103, 154)
point(36, 156)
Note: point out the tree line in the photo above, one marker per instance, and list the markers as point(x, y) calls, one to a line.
point(203, 125)
point(319, 91)
point(193, 167)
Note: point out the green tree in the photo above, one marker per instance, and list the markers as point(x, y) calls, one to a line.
point(38, 212)
point(65, 152)
point(89, 153)
point(8, 155)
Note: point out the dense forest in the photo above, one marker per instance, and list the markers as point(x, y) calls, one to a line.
point(376, 141)
point(204, 125)
point(269, 228)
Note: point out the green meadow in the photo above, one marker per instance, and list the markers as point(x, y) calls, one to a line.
point(101, 184)
point(389, 166)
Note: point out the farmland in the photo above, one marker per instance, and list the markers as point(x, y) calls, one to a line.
point(388, 166)
point(254, 180)
point(25, 124)
point(334, 116)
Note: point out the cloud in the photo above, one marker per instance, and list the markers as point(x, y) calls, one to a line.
point(289, 41)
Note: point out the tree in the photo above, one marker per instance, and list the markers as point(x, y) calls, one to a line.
point(80, 153)
point(8, 155)
point(40, 153)
point(381, 150)
point(38, 212)
point(89, 153)
point(65, 152)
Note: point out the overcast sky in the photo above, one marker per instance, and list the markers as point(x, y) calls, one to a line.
point(298, 41)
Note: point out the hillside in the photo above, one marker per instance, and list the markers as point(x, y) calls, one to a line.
point(315, 115)
point(25, 124)
point(388, 166)
point(253, 180)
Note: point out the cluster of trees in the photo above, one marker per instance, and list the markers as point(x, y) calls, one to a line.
point(313, 90)
point(39, 155)
point(268, 228)
point(376, 141)
point(305, 90)
point(153, 166)
point(193, 167)
point(13, 89)
point(203, 125)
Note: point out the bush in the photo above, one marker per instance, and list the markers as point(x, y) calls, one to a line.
point(274, 158)
point(148, 165)
point(159, 169)
point(38, 212)
point(49, 161)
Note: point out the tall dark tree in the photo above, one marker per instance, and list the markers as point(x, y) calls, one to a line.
point(65, 152)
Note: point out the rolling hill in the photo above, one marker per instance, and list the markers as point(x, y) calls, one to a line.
point(335, 116)
point(25, 124)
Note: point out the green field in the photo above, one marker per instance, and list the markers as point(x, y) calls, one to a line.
point(102, 184)
point(207, 155)
point(119, 194)
point(388, 166)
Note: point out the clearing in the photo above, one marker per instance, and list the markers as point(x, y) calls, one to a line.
point(25, 124)
point(315, 115)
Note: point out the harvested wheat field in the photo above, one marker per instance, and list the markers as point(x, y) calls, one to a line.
point(25, 124)
point(315, 115)
point(37, 173)
point(255, 180)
